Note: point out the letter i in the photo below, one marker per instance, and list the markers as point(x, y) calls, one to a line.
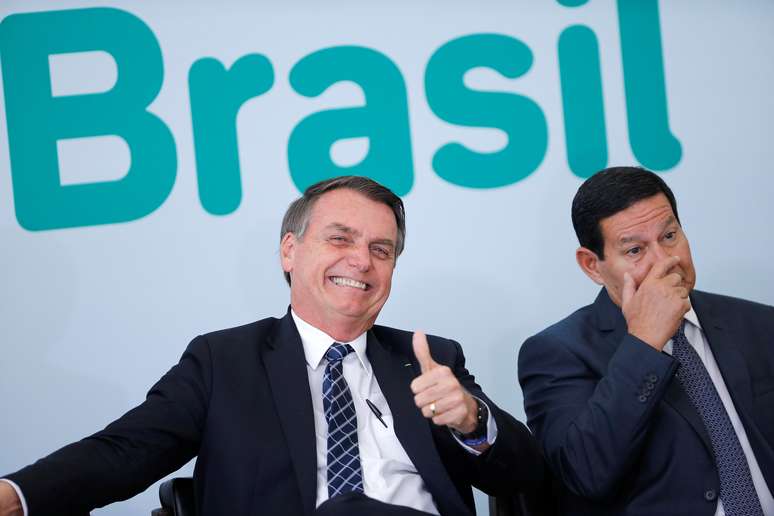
point(582, 100)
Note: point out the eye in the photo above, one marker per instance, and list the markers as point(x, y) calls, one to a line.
point(634, 251)
point(338, 239)
point(380, 252)
point(670, 235)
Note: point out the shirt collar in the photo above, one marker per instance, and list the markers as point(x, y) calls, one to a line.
point(316, 342)
point(692, 318)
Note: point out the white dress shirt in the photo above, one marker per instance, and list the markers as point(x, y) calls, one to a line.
point(696, 339)
point(388, 473)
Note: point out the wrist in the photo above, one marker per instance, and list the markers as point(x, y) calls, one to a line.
point(475, 433)
point(470, 422)
point(654, 341)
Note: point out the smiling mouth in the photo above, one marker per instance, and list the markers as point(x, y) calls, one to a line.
point(349, 282)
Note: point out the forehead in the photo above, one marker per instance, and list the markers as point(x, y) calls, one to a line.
point(638, 220)
point(354, 210)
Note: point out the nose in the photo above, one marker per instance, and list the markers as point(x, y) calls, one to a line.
point(360, 258)
point(656, 253)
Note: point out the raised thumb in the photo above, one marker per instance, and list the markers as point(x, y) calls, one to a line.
point(422, 351)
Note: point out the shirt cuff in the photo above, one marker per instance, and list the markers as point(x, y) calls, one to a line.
point(18, 493)
point(491, 431)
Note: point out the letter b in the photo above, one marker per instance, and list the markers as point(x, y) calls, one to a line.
point(36, 119)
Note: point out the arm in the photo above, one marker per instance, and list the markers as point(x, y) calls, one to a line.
point(591, 424)
point(513, 462)
point(142, 446)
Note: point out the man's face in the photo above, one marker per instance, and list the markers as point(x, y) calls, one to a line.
point(341, 269)
point(634, 240)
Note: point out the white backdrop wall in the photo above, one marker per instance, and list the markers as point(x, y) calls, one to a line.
point(92, 314)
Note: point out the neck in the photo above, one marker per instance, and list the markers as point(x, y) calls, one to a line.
point(340, 329)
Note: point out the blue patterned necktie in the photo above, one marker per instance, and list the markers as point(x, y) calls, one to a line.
point(737, 490)
point(344, 472)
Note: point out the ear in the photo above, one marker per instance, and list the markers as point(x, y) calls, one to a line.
point(589, 264)
point(288, 251)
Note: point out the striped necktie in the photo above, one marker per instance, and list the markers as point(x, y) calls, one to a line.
point(344, 471)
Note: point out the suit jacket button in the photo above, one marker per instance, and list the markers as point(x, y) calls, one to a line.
point(652, 378)
point(642, 398)
point(710, 495)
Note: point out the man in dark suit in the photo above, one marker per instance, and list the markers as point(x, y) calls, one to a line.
point(318, 412)
point(657, 398)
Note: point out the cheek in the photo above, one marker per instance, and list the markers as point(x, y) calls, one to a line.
point(385, 278)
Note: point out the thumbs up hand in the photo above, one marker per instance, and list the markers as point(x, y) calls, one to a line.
point(438, 393)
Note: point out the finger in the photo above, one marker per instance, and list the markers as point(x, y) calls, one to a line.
point(437, 392)
point(432, 409)
point(422, 352)
point(629, 288)
point(673, 279)
point(452, 417)
point(426, 398)
point(443, 408)
point(439, 376)
point(662, 267)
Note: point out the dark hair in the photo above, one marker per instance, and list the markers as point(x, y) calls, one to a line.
point(296, 218)
point(606, 193)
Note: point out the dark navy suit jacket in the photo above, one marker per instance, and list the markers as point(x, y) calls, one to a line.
point(239, 400)
point(618, 430)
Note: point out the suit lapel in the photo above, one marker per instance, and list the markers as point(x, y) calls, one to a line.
point(723, 341)
point(394, 372)
point(610, 320)
point(286, 370)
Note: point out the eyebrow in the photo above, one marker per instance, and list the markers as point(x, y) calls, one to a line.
point(636, 238)
point(351, 231)
point(384, 241)
point(343, 228)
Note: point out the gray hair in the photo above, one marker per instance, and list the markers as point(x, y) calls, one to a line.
point(296, 218)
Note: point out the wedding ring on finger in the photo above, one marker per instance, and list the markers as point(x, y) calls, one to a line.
point(432, 408)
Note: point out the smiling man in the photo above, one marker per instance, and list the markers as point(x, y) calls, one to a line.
point(318, 412)
point(657, 398)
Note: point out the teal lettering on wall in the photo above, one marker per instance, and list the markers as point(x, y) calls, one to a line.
point(582, 101)
point(518, 116)
point(652, 142)
point(217, 95)
point(383, 119)
point(36, 119)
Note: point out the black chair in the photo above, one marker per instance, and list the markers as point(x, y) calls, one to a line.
point(177, 499)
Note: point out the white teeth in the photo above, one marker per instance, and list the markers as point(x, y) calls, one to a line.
point(348, 282)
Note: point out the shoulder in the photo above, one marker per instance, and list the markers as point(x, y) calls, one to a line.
point(442, 349)
point(236, 339)
point(577, 327)
point(242, 332)
point(733, 311)
point(729, 303)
